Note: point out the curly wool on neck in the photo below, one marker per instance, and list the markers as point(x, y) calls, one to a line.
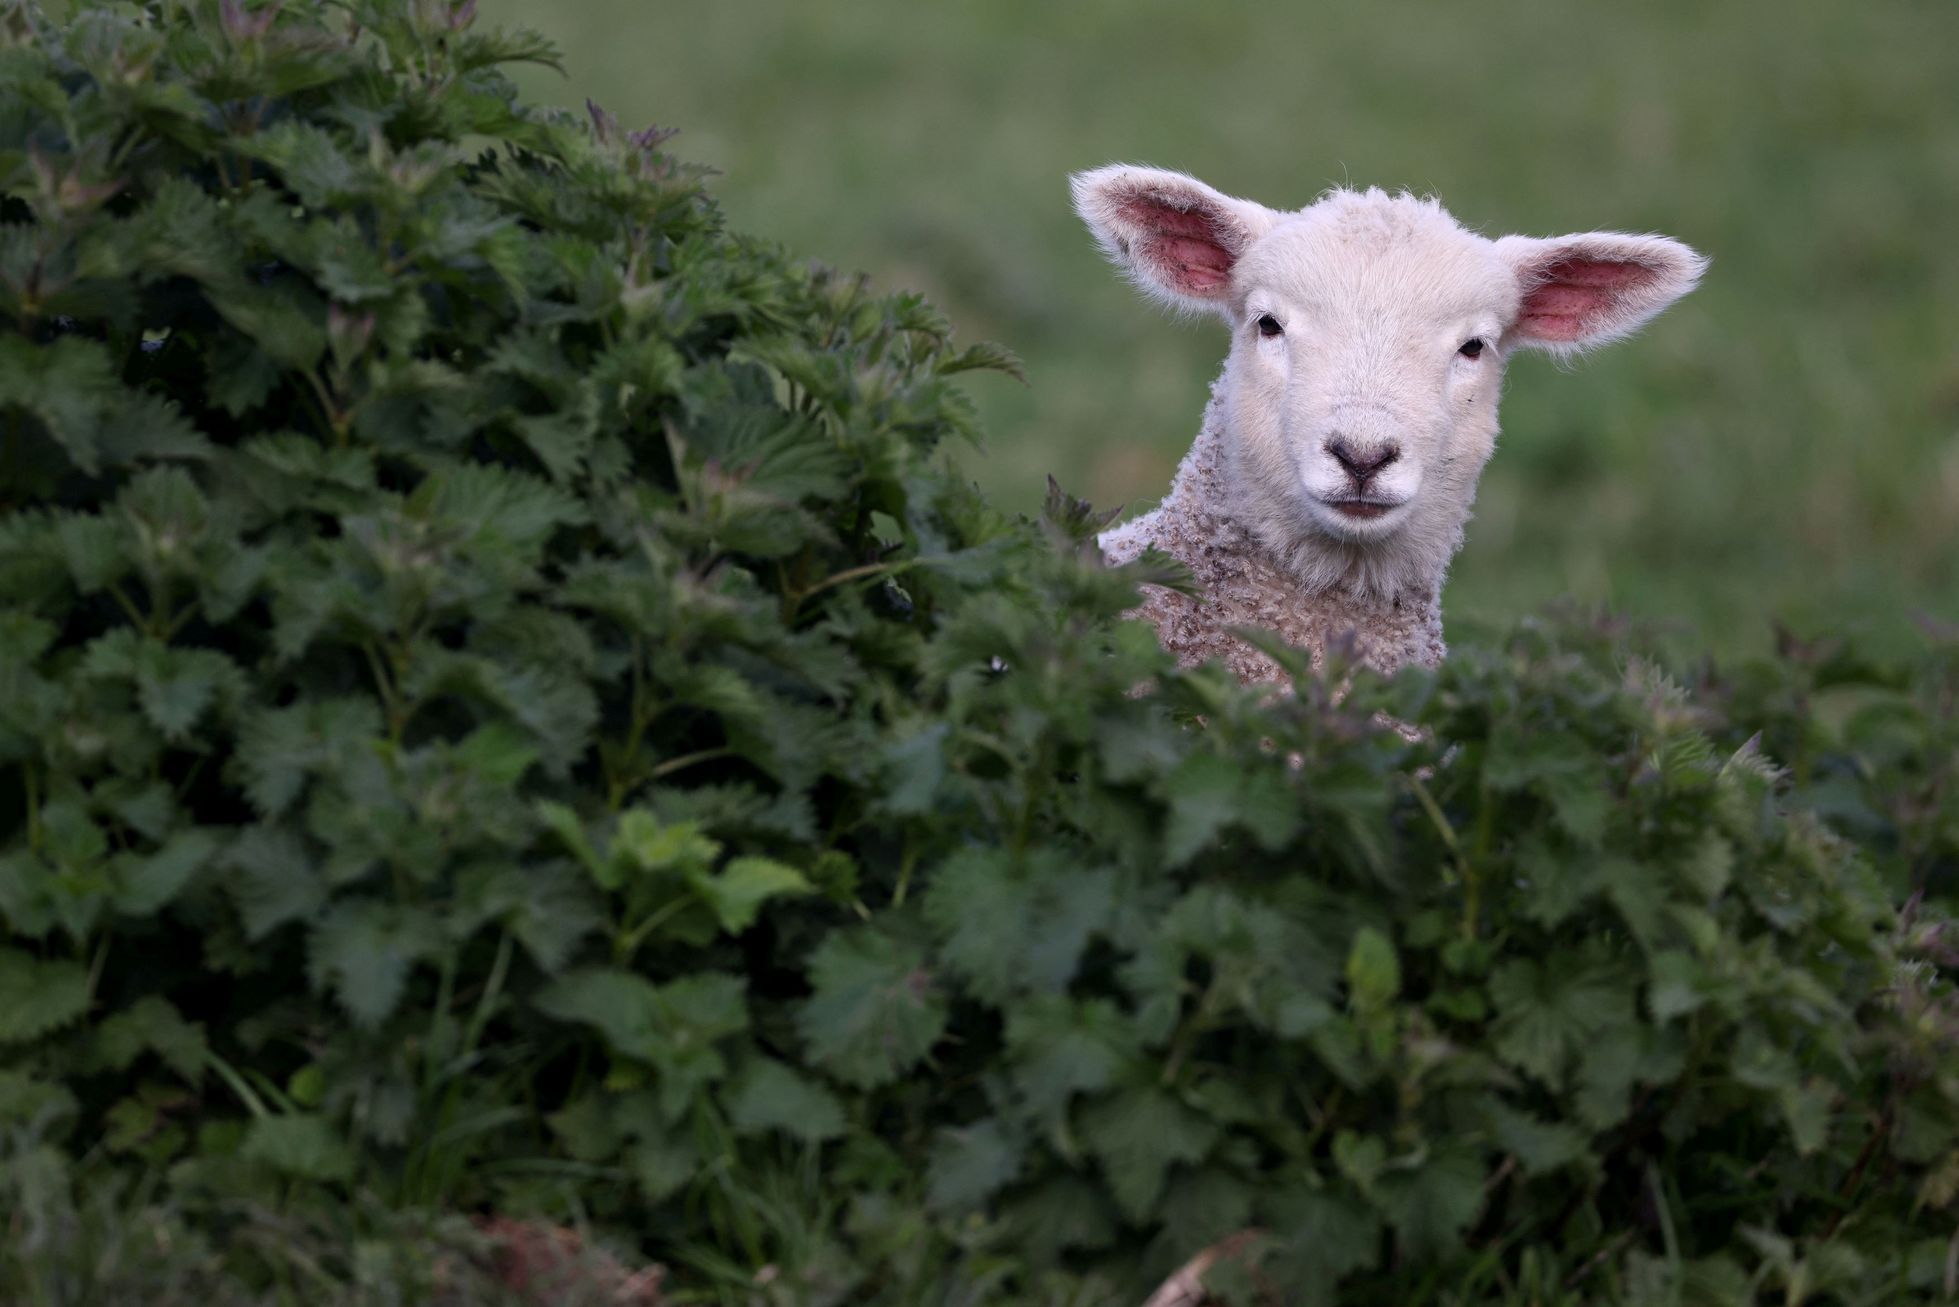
point(1242, 582)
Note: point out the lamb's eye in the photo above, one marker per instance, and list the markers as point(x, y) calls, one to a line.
point(1268, 326)
point(1470, 348)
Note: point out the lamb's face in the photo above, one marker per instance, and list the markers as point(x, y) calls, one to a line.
point(1366, 359)
point(1369, 334)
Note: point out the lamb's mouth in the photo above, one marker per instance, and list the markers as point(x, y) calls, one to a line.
point(1360, 510)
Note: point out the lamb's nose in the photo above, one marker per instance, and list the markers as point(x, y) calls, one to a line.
point(1361, 466)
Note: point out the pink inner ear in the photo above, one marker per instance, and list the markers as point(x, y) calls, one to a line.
point(1182, 245)
point(1572, 295)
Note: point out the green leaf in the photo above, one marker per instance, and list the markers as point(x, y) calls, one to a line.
point(875, 1011)
point(1806, 1107)
point(1138, 1135)
point(1361, 1158)
point(280, 749)
point(914, 764)
point(564, 823)
point(95, 550)
point(1618, 1057)
point(1060, 1047)
point(994, 358)
point(363, 950)
point(969, 1164)
point(38, 996)
point(736, 893)
point(147, 885)
point(65, 384)
point(1012, 924)
point(497, 752)
point(1208, 793)
point(662, 1024)
point(1323, 1237)
point(646, 844)
point(300, 1145)
point(663, 1164)
point(277, 880)
point(619, 1005)
point(1373, 970)
point(586, 1128)
point(771, 1095)
point(1547, 1012)
point(1066, 1211)
point(1540, 1147)
point(25, 1100)
point(1430, 1206)
point(152, 1024)
point(1677, 987)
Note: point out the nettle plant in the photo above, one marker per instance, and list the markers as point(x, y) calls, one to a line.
point(503, 711)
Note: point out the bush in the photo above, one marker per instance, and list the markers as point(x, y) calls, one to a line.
point(503, 712)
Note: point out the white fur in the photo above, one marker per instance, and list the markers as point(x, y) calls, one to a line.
point(1376, 296)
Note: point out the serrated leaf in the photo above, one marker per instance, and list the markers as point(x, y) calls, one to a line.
point(986, 355)
point(662, 1023)
point(64, 384)
point(26, 1100)
point(152, 1024)
point(363, 950)
point(1430, 1206)
point(643, 843)
point(1208, 793)
point(1373, 970)
point(94, 548)
point(1062, 1046)
point(277, 879)
point(875, 1011)
point(1806, 1107)
point(1361, 1158)
point(737, 892)
point(771, 1095)
point(1677, 985)
point(1010, 924)
point(661, 1165)
point(38, 996)
point(967, 1165)
point(496, 752)
point(542, 904)
point(146, 885)
point(278, 749)
point(1546, 1012)
point(1138, 1135)
point(914, 765)
point(1539, 1146)
point(303, 1146)
point(1322, 1236)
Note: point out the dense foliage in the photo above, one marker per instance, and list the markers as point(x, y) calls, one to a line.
point(502, 712)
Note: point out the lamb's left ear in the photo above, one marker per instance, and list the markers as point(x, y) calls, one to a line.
point(1585, 290)
point(1176, 237)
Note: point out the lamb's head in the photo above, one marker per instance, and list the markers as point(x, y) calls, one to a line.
point(1368, 338)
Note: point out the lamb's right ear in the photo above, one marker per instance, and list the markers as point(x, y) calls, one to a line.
point(1176, 237)
point(1593, 287)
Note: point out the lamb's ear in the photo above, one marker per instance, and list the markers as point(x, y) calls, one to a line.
point(1584, 290)
point(1176, 237)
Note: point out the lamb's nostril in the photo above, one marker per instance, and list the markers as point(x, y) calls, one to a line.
point(1361, 466)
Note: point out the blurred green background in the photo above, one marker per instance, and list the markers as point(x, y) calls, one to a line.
point(1783, 444)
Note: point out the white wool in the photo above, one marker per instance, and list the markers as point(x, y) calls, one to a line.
point(1330, 483)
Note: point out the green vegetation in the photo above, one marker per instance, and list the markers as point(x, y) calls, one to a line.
point(1781, 445)
point(505, 712)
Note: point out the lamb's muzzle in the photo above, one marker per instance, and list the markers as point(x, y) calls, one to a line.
point(1330, 483)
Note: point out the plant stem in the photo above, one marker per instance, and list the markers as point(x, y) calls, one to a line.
point(672, 765)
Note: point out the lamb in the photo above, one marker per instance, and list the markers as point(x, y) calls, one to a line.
point(1332, 477)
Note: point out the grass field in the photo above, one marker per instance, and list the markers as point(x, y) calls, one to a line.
point(1785, 444)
